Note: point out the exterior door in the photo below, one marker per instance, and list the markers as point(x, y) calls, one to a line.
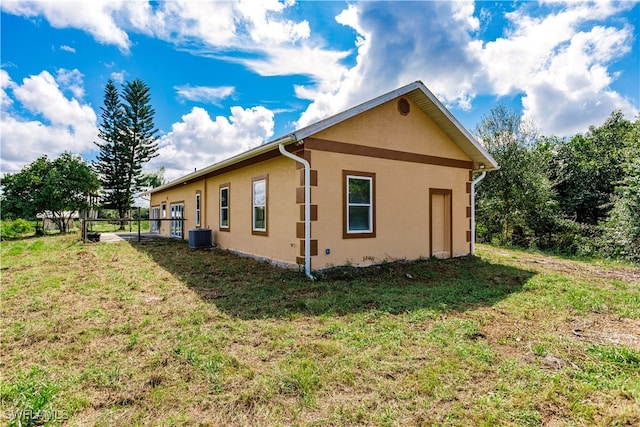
point(440, 225)
point(154, 223)
point(175, 229)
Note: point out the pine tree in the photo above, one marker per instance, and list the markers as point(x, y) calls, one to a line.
point(129, 140)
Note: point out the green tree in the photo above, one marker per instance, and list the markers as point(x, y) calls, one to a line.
point(588, 169)
point(622, 228)
point(60, 187)
point(153, 179)
point(516, 199)
point(129, 140)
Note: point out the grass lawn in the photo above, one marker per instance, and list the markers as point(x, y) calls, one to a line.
point(153, 333)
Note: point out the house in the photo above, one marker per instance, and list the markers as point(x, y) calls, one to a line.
point(51, 222)
point(389, 179)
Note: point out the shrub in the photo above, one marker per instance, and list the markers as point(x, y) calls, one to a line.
point(15, 229)
point(22, 226)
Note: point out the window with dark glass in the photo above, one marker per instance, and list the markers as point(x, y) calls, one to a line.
point(359, 215)
point(224, 207)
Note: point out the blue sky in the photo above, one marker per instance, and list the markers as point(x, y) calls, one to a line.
point(228, 76)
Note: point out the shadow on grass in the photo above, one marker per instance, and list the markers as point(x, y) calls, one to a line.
point(250, 289)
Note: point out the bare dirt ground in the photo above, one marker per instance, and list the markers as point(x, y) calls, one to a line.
point(539, 262)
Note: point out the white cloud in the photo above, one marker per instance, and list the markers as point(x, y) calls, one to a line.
point(58, 124)
point(576, 84)
point(198, 141)
point(118, 76)
point(71, 80)
point(270, 43)
point(67, 48)
point(265, 29)
point(562, 66)
point(395, 47)
point(5, 83)
point(206, 94)
point(97, 17)
point(558, 62)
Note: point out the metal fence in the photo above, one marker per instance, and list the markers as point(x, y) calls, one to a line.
point(88, 235)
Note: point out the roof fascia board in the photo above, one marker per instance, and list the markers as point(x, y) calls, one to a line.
point(353, 111)
point(314, 128)
point(457, 124)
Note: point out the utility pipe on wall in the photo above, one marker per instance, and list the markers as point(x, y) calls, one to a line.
point(473, 211)
point(307, 208)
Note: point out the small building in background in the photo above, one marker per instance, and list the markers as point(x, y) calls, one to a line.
point(51, 222)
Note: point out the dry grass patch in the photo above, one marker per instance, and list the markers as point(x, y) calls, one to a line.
point(153, 333)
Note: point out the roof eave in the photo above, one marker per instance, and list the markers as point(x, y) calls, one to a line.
point(272, 145)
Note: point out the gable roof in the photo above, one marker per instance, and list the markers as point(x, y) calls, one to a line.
point(417, 92)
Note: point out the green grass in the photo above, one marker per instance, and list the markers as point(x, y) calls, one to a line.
point(113, 226)
point(153, 333)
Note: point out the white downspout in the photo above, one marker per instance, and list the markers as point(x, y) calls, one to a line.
point(307, 208)
point(473, 211)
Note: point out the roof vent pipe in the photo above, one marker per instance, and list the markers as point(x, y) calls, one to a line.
point(307, 208)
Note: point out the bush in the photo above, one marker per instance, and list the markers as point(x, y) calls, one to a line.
point(15, 229)
point(22, 226)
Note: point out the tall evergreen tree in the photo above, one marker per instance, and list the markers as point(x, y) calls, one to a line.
point(129, 140)
point(110, 162)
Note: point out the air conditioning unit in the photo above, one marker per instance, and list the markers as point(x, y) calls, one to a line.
point(200, 238)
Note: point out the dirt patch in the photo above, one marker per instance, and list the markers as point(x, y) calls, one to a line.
point(604, 330)
point(583, 270)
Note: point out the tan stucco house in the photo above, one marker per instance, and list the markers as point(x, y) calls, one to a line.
point(386, 180)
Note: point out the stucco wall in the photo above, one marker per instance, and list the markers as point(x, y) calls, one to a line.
point(280, 245)
point(402, 209)
point(402, 188)
point(385, 127)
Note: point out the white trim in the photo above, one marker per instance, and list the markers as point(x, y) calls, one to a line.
point(307, 208)
point(473, 210)
point(198, 201)
point(369, 205)
point(416, 91)
point(176, 227)
point(254, 205)
point(220, 207)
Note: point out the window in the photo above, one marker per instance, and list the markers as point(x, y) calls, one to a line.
point(259, 205)
point(359, 204)
point(175, 226)
point(197, 209)
point(164, 210)
point(224, 207)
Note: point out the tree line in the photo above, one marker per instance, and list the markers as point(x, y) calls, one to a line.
point(577, 195)
point(59, 188)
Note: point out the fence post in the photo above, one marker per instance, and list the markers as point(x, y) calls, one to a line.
point(84, 228)
point(138, 223)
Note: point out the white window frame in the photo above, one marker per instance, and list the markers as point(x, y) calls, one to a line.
point(176, 223)
point(348, 232)
point(254, 182)
point(225, 208)
point(198, 200)
point(154, 216)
